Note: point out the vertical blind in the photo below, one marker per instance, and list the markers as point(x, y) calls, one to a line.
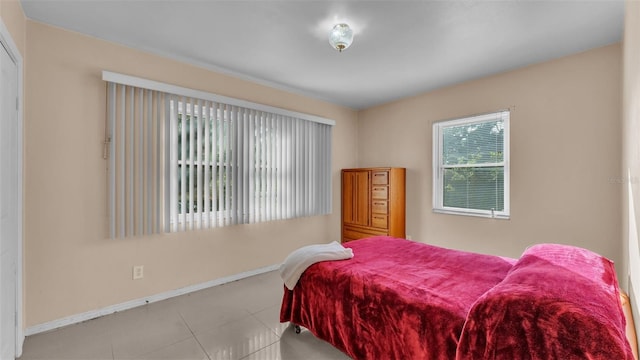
point(179, 162)
point(136, 161)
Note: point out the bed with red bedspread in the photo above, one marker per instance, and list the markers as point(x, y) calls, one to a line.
point(399, 299)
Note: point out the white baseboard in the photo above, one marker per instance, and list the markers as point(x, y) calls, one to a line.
point(78, 318)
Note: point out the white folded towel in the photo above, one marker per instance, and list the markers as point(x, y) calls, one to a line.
point(299, 260)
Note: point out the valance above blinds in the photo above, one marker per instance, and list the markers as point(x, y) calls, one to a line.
point(181, 159)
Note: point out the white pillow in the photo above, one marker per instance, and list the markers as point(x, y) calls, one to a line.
point(299, 260)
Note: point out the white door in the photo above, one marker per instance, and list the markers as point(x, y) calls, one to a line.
point(9, 209)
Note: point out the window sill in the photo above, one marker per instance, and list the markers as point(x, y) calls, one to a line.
point(484, 214)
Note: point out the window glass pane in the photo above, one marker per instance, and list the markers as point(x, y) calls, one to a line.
point(475, 143)
point(474, 188)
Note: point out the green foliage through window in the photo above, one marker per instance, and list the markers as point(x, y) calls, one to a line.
point(471, 158)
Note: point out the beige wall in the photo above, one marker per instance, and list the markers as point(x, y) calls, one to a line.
point(631, 154)
point(71, 267)
point(565, 150)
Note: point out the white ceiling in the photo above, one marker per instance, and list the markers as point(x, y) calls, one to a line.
point(400, 48)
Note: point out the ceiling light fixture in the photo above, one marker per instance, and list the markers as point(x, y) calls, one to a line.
point(340, 37)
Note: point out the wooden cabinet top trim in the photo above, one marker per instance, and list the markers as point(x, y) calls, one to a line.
point(372, 168)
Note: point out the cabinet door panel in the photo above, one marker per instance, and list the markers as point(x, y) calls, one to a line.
point(363, 204)
point(355, 198)
point(348, 203)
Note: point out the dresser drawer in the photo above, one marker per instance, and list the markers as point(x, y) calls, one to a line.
point(355, 234)
point(380, 192)
point(379, 221)
point(379, 207)
point(380, 178)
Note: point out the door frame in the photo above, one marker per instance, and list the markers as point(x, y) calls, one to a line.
point(7, 41)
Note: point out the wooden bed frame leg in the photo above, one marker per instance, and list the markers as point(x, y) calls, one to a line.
point(631, 329)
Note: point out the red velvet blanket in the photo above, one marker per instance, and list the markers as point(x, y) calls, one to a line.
point(557, 302)
point(395, 299)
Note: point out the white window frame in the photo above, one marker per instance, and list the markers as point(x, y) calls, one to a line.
point(439, 167)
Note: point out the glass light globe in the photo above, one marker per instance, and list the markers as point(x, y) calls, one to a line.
point(340, 37)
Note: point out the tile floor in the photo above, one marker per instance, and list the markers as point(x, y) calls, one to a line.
point(238, 320)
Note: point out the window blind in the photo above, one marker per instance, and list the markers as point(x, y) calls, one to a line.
point(473, 165)
point(471, 168)
point(178, 162)
point(137, 128)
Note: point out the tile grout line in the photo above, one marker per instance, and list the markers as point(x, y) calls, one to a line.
point(194, 336)
point(270, 329)
point(267, 326)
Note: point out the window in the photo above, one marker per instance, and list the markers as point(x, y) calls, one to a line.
point(471, 166)
point(181, 159)
point(235, 165)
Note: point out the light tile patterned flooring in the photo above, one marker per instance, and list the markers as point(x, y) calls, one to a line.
point(238, 320)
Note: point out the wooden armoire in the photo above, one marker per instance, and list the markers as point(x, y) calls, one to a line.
point(373, 202)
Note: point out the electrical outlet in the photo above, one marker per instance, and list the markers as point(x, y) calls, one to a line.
point(138, 272)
